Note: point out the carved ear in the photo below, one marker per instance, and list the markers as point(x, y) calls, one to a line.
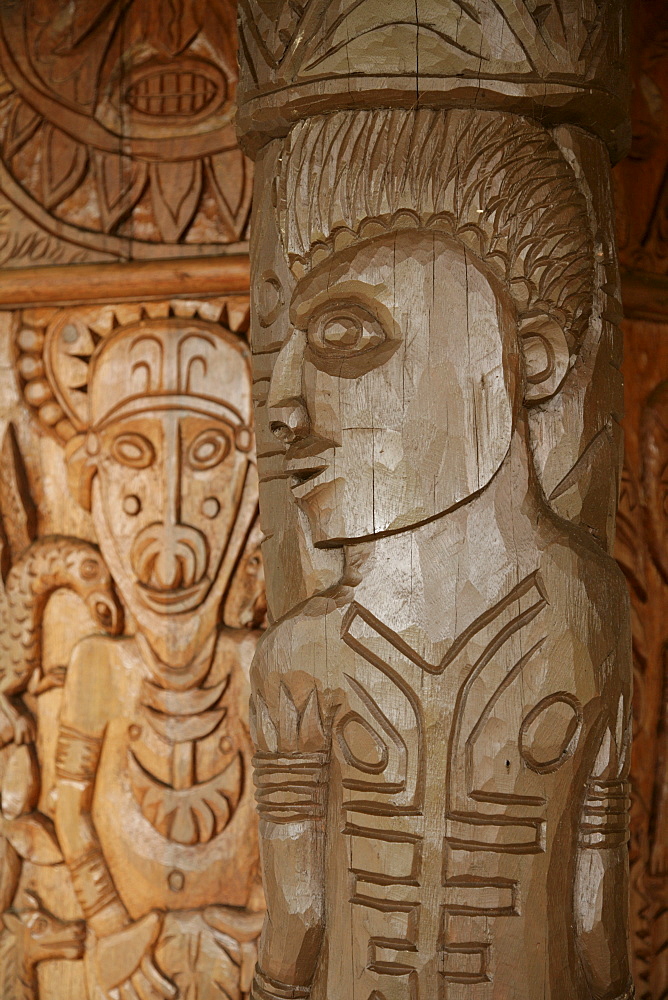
point(81, 459)
point(546, 355)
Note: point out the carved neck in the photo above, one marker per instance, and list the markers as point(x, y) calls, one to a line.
point(441, 575)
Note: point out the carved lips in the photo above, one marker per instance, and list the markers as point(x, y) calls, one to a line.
point(185, 89)
point(304, 480)
point(306, 474)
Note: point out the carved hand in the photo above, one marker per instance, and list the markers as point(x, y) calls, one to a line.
point(122, 965)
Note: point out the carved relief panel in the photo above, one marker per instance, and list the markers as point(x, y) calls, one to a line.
point(126, 801)
point(117, 139)
point(133, 590)
point(641, 551)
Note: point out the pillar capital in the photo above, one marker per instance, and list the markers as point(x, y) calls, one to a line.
point(558, 61)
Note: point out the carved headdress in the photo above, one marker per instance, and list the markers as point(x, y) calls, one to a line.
point(497, 182)
point(81, 367)
point(168, 363)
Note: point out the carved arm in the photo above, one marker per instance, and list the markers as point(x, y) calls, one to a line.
point(601, 868)
point(291, 773)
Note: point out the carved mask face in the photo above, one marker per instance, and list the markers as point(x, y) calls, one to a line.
point(135, 68)
point(170, 471)
point(171, 482)
point(395, 390)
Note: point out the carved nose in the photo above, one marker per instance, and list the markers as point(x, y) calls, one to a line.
point(165, 557)
point(290, 422)
point(288, 416)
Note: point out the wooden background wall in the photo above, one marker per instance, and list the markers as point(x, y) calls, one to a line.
point(137, 206)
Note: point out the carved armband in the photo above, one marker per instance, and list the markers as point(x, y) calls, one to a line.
point(265, 988)
point(605, 816)
point(92, 882)
point(290, 787)
point(77, 755)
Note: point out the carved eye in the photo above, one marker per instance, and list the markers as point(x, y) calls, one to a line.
point(39, 926)
point(208, 449)
point(103, 613)
point(347, 340)
point(89, 569)
point(344, 330)
point(133, 450)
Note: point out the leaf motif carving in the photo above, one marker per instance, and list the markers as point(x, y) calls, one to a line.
point(275, 31)
point(231, 179)
point(120, 182)
point(64, 165)
point(22, 123)
point(175, 194)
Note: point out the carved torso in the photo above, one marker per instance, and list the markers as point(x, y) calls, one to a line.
point(172, 791)
point(462, 780)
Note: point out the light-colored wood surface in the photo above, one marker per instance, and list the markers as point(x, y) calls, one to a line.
point(132, 590)
point(131, 281)
point(554, 60)
point(441, 706)
point(127, 805)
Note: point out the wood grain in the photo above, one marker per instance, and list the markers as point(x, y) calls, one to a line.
point(136, 281)
point(441, 706)
point(132, 592)
point(641, 552)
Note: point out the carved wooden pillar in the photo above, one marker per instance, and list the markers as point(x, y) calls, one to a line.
point(442, 704)
point(132, 587)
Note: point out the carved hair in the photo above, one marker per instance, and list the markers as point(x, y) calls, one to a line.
point(495, 181)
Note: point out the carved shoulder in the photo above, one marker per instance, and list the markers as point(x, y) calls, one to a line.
point(294, 645)
point(587, 592)
point(293, 679)
point(91, 690)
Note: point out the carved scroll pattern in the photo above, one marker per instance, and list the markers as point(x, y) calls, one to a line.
point(117, 138)
point(127, 819)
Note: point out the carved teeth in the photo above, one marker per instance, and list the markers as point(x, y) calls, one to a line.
point(171, 93)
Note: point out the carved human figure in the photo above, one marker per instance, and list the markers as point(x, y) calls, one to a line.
point(154, 806)
point(117, 127)
point(442, 737)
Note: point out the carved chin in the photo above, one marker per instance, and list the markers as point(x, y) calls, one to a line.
point(323, 507)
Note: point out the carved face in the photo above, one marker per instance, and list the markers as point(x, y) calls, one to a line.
point(170, 484)
point(133, 68)
point(395, 390)
point(121, 120)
